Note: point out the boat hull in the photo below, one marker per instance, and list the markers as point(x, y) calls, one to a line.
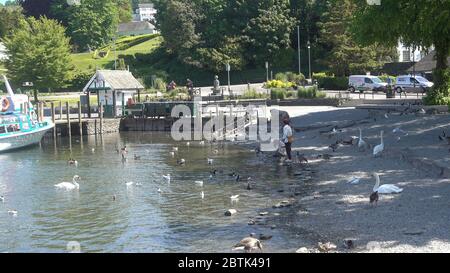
point(24, 139)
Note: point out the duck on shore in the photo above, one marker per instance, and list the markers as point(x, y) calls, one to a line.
point(248, 244)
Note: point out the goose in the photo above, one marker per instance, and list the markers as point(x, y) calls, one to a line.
point(248, 244)
point(362, 145)
point(72, 162)
point(199, 183)
point(167, 177)
point(301, 158)
point(377, 150)
point(374, 198)
point(202, 195)
point(386, 188)
point(334, 146)
point(69, 185)
point(234, 197)
point(13, 212)
point(210, 161)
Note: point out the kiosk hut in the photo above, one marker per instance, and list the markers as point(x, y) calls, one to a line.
point(114, 89)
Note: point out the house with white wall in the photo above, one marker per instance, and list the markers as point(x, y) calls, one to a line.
point(407, 54)
point(145, 12)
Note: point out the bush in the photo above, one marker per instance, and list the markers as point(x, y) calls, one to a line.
point(281, 77)
point(278, 84)
point(80, 79)
point(310, 93)
point(278, 93)
point(159, 84)
point(252, 94)
point(333, 83)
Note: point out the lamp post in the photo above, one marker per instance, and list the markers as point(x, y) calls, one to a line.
point(267, 71)
point(309, 57)
point(228, 68)
point(298, 48)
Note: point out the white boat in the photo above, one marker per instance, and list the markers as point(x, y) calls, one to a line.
point(19, 126)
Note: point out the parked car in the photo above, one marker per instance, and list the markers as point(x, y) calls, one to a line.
point(415, 84)
point(363, 83)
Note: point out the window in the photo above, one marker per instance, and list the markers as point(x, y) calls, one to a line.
point(2, 130)
point(367, 80)
point(406, 56)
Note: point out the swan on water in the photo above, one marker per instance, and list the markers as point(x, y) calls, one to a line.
point(181, 161)
point(129, 184)
point(362, 145)
point(172, 154)
point(210, 161)
point(159, 190)
point(377, 150)
point(188, 144)
point(93, 150)
point(13, 212)
point(69, 185)
point(248, 244)
point(175, 149)
point(354, 181)
point(386, 188)
point(202, 195)
point(167, 177)
point(199, 183)
point(234, 197)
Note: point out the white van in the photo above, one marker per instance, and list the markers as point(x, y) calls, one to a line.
point(366, 83)
point(415, 84)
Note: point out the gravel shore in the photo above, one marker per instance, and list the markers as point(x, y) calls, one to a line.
point(416, 220)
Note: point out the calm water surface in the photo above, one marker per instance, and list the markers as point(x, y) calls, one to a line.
point(141, 219)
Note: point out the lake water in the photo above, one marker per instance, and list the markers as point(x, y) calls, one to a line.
point(140, 219)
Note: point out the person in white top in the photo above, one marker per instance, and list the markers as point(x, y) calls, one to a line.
point(287, 138)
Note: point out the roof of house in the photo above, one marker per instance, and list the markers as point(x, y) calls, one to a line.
point(115, 80)
point(146, 6)
point(135, 26)
point(427, 64)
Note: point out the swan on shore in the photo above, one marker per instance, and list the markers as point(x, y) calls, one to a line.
point(377, 150)
point(69, 185)
point(248, 244)
point(362, 145)
point(386, 188)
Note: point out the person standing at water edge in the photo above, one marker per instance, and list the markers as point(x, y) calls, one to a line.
point(287, 139)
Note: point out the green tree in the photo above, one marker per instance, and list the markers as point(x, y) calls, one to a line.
point(39, 52)
point(416, 23)
point(9, 19)
point(345, 56)
point(93, 23)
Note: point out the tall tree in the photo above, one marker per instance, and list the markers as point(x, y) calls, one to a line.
point(421, 23)
point(345, 56)
point(39, 52)
point(10, 17)
point(93, 23)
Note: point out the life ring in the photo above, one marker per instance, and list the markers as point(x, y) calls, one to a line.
point(5, 104)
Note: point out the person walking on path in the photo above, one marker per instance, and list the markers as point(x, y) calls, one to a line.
point(287, 139)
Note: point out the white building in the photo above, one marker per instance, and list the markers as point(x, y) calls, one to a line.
point(145, 12)
point(407, 54)
point(3, 55)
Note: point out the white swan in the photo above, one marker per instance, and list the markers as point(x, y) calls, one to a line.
point(167, 177)
point(377, 150)
point(69, 185)
point(129, 184)
point(362, 145)
point(188, 144)
point(386, 188)
point(13, 212)
point(210, 161)
point(202, 195)
point(199, 183)
point(172, 154)
point(159, 190)
point(202, 142)
point(175, 149)
point(234, 197)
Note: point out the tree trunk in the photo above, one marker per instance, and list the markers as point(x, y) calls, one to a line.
point(439, 75)
point(35, 92)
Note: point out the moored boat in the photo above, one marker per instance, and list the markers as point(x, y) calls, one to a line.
point(19, 123)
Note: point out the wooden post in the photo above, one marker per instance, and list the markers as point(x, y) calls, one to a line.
point(80, 123)
point(68, 119)
point(114, 104)
point(101, 118)
point(60, 110)
point(88, 98)
point(139, 95)
point(53, 119)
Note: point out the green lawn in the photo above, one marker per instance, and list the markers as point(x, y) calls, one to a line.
point(125, 46)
